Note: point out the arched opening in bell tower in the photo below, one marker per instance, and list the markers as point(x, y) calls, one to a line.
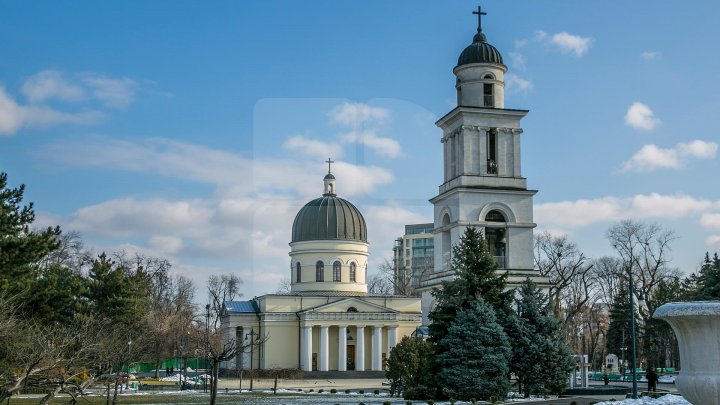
point(496, 236)
point(446, 245)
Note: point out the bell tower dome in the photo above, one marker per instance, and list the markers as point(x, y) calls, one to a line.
point(480, 73)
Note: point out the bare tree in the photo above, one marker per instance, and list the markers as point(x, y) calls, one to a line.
point(284, 286)
point(644, 250)
point(379, 285)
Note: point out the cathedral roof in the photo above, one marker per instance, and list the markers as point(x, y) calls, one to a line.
point(480, 51)
point(329, 218)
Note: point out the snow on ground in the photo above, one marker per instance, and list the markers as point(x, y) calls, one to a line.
point(664, 400)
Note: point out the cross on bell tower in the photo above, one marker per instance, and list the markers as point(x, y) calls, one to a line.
point(479, 13)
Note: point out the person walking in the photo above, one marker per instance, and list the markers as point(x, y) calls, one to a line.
point(652, 379)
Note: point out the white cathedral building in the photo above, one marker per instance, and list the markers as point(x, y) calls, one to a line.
point(329, 321)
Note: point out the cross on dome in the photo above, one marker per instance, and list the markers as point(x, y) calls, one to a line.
point(479, 13)
point(329, 161)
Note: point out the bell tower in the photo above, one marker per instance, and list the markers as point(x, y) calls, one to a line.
point(482, 185)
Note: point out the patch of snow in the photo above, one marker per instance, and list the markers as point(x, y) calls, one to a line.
point(664, 400)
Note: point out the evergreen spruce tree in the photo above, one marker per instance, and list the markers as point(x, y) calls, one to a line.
point(709, 279)
point(541, 358)
point(618, 334)
point(475, 276)
point(473, 356)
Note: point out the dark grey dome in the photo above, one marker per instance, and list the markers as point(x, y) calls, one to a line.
point(480, 51)
point(329, 218)
point(329, 176)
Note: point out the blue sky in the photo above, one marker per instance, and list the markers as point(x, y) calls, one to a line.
point(195, 131)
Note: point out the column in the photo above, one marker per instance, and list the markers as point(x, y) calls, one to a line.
point(342, 348)
point(377, 348)
point(360, 349)
point(324, 346)
point(392, 339)
point(306, 348)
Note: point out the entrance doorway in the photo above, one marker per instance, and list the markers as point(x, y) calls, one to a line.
point(351, 357)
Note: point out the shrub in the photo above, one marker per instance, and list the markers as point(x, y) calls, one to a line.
point(431, 402)
point(333, 391)
point(387, 403)
point(311, 390)
point(320, 391)
point(347, 391)
point(376, 392)
point(573, 403)
point(362, 391)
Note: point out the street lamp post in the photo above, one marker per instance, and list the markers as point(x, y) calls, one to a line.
point(207, 343)
point(633, 334)
point(252, 335)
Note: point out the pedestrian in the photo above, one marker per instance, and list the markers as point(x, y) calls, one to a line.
point(652, 379)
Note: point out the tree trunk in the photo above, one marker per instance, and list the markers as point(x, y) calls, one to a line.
point(215, 372)
point(157, 368)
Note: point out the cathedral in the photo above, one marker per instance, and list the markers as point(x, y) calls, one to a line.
point(329, 321)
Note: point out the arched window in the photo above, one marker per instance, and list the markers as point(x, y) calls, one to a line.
point(336, 271)
point(353, 269)
point(298, 275)
point(319, 271)
point(495, 216)
point(488, 99)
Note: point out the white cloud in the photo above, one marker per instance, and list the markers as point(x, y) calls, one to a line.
point(313, 147)
point(698, 149)
point(355, 114)
point(237, 173)
point(381, 145)
point(517, 59)
point(49, 84)
point(713, 240)
point(566, 42)
point(710, 221)
point(517, 85)
point(651, 157)
point(115, 93)
point(166, 244)
point(641, 117)
point(14, 116)
point(650, 55)
point(583, 212)
point(519, 43)
point(127, 216)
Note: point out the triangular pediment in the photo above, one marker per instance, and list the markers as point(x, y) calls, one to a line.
point(346, 305)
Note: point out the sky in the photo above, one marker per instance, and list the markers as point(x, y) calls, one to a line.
point(195, 131)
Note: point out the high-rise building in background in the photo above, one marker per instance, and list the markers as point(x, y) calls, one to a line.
point(413, 258)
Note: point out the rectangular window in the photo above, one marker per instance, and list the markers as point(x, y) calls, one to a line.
point(492, 152)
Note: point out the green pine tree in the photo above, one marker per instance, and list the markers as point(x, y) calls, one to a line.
point(618, 334)
point(475, 276)
point(541, 358)
point(473, 357)
point(709, 288)
point(21, 248)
